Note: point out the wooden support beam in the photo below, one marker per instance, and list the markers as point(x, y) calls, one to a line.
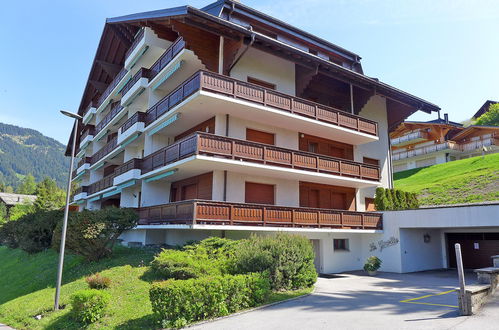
point(111, 68)
point(120, 36)
point(98, 85)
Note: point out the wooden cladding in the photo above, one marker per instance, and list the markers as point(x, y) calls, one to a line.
point(325, 147)
point(221, 146)
point(207, 126)
point(138, 117)
point(111, 86)
point(197, 187)
point(105, 150)
point(137, 39)
point(326, 196)
point(259, 136)
point(142, 73)
point(115, 110)
point(259, 193)
point(231, 87)
point(224, 213)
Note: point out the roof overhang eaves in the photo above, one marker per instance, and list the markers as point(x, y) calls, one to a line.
point(150, 15)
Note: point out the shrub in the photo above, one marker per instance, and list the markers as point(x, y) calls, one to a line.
point(89, 305)
point(395, 199)
point(372, 264)
point(93, 234)
point(288, 259)
point(32, 232)
point(178, 303)
point(181, 265)
point(97, 281)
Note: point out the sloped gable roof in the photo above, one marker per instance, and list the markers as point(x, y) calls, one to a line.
point(14, 199)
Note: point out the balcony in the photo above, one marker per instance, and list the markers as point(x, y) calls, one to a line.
point(114, 115)
point(113, 89)
point(87, 136)
point(411, 138)
point(110, 148)
point(145, 49)
point(207, 152)
point(489, 140)
point(132, 127)
point(80, 193)
point(207, 93)
point(135, 86)
point(198, 212)
point(124, 173)
point(449, 145)
point(89, 112)
point(83, 165)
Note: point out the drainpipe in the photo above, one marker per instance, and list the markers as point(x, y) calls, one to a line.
point(351, 99)
point(244, 51)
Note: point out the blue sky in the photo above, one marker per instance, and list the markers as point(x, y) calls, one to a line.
point(446, 52)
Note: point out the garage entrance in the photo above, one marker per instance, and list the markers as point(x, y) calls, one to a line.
point(477, 248)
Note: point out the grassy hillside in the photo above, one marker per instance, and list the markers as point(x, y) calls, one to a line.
point(27, 289)
point(26, 151)
point(462, 181)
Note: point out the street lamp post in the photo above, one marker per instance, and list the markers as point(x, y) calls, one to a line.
point(76, 117)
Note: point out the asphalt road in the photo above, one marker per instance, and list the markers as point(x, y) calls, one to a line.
point(424, 300)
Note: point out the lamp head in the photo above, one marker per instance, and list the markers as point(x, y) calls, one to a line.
point(71, 115)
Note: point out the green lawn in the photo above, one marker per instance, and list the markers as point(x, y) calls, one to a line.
point(462, 181)
point(27, 289)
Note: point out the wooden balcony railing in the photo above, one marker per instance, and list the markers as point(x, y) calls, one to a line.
point(404, 153)
point(102, 184)
point(88, 130)
point(221, 146)
point(107, 181)
point(409, 137)
point(225, 213)
point(136, 40)
point(83, 161)
point(81, 189)
point(107, 119)
point(216, 83)
point(112, 85)
point(105, 150)
point(167, 56)
point(136, 118)
point(92, 104)
point(142, 73)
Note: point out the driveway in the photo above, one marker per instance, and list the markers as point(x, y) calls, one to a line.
point(424, 300)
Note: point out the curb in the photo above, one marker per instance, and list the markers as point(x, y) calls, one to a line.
point(249, 310)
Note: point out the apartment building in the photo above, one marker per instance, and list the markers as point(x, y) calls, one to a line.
point(226, 121)
point(420, 144)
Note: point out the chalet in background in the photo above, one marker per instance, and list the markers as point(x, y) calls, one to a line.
point(225, 121)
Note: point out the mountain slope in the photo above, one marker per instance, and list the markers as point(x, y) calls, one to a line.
point(24, 151)
point(462, 181)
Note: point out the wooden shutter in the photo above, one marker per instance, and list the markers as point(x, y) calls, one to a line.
point(259, 136)
point(371, 161)
point(370, 205)
point(259, 193)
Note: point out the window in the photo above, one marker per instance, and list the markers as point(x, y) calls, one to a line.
point(261, 83)
point(340, 244)
point(259, 193)
point(313, 147)
point(259, 136)
point(371, 161)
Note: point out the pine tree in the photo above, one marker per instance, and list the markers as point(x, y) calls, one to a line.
point(379, 199)
point(389, 200)
point(3, 213)
point(27, 186)
point(401, 200)
point(49, 196)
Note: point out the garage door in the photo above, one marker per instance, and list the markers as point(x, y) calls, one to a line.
point(477, 249)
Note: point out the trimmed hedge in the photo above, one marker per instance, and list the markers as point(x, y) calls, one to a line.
point(395, 199)
point(89, 305)
point(288, 259)
point(180, 302)
point(182, 265)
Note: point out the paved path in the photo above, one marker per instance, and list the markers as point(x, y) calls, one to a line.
point(354, 301)
point(4, 327)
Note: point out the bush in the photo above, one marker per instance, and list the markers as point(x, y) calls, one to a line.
point(372, 264)
point(181, 265)
point(178, 303)
point(93, 234)
point(32, 232)
point(288, 259)
point(98, 282)
point(89, 305)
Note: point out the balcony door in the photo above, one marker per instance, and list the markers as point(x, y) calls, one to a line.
point(326, 196)
point(259, 136)
point(326, 147)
